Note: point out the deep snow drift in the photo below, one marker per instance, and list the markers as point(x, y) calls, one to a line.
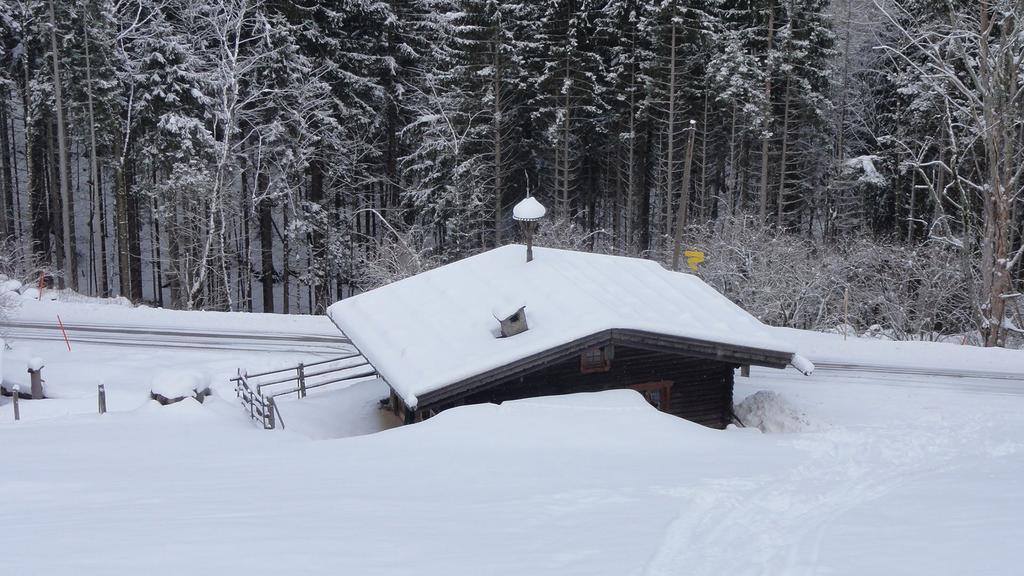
point(875, 473)
point(897, 481)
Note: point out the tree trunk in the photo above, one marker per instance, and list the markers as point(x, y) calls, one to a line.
point(53, 201)
point(121, 221)
point(684, 200)
point(134, 237)
point(705, 200)
point(97, 220)
point(317, 249)
point(781, 208)
point(498, 142)
point(7, 217)
point(765, 137)
point(66, 205)
point(286, 270)
point(671, 166)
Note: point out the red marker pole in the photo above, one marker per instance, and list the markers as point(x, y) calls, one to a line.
point(64, 332)
point(42, 277)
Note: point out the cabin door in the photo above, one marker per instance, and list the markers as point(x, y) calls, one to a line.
point(659, 393)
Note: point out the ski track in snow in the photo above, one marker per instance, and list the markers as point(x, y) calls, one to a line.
point(775, 524)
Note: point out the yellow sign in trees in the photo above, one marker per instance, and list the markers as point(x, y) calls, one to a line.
point(693, 257)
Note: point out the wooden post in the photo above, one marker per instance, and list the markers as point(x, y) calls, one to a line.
point(528, 229)
point(269, 417)
point(102, 399)
point(302, 380)
point(37, 382)
point(745, 370)
point(14, 396)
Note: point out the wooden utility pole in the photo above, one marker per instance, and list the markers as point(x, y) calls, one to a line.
point(67, 224)
point(684, 200)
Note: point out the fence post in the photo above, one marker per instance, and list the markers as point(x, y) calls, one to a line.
point(302, 380)
point(101, 396)
point(17, 412)
point(270, 413)
point(36, 377)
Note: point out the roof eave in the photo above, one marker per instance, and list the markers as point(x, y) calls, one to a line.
point(715, 351)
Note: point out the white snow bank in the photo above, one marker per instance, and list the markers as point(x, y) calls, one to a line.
point(179, 383)
point(824, 349)
point(506, 308)
point(10, 286)
point(770, 412)
point(80, 310)
point(614, 400)
point(351, 411)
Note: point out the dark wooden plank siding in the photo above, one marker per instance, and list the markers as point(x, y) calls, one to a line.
point(701, 391)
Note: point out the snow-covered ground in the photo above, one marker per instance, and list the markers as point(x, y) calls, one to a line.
point(878, 473)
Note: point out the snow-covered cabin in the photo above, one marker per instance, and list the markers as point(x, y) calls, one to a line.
point(592, 322)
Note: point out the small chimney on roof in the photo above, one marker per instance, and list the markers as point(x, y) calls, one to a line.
point(528, 212)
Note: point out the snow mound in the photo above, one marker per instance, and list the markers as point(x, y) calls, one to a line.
point(179, 383)
point(612, 400)
point(770, 412)
point(611, 422)
point(10, 286)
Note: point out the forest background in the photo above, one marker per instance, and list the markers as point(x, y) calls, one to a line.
point(845, 164)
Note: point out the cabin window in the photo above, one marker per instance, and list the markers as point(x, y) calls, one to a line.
point(657, 394)
point(596, 359)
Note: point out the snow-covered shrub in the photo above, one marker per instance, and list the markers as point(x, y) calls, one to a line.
point(564, 233)
point(908, 292)
point(395, 256)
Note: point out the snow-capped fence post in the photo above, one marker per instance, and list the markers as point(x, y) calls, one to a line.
point(101, 394)
point(14, 396)
point(302, 380)
point(35, 371)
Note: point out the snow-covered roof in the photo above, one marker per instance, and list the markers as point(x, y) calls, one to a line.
point(438, 328)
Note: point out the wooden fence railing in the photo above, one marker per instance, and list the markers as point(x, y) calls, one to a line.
point(257, 392)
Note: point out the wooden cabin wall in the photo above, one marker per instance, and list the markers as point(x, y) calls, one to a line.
point(701, 391)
